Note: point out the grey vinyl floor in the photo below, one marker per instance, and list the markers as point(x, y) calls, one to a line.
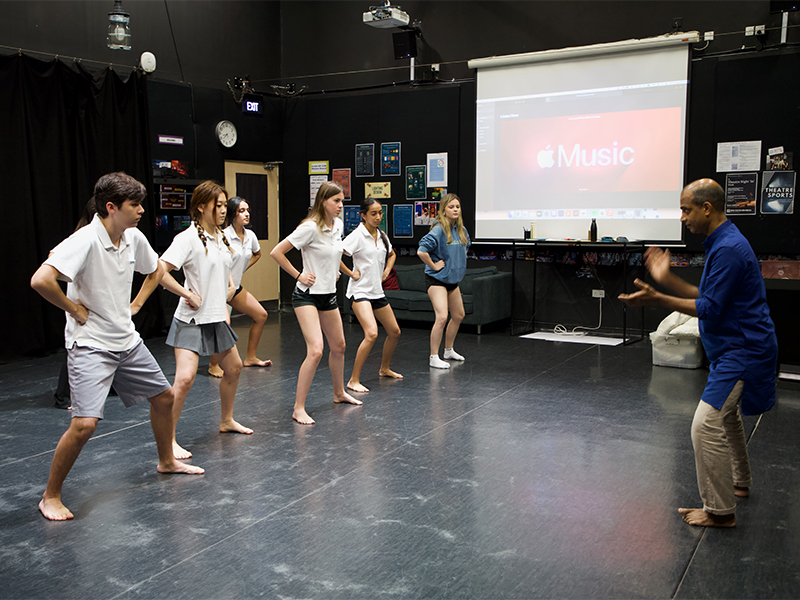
point(532, 470)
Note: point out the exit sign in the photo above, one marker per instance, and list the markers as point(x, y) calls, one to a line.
point(252, 104)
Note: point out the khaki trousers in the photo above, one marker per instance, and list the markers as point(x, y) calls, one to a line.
point(720, 453)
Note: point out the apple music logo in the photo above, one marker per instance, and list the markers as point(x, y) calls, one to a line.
point(596, 157)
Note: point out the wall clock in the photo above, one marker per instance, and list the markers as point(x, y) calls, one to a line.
point(226, 133)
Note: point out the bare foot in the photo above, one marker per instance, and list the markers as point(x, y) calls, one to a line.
point(177, 467)
point(234, 427)
point(215, 371)
point(700, 518)
point(54, 510)
point(256, 362)
point(357, 387)
point(301, 416)
point(180, 453)
point(347, 399)
point(389, 373)
point(742, 492)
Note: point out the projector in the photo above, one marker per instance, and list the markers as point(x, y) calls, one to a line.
point(386, 17)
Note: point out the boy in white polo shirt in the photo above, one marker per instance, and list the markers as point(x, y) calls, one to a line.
point(103, 346)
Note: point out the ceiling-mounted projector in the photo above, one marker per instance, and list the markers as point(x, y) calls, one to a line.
point(386, 17)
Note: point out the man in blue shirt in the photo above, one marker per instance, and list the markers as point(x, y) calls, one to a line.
point(739, 339)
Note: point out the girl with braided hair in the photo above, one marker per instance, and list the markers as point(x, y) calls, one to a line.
point(373, 259)
point(319, 239)
point(201, 325)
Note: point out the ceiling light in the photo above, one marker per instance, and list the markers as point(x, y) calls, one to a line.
point(119, 31)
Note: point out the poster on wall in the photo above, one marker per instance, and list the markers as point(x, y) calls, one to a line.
point(437, 169)
point(415, 182)
point(352, 217)
point(777, 192)
point(740, 193)
point(365, 160)
point(403, 217)
point(342, 177)
point(390, 158)
point(738, 156)
point(315, 181)
point(380, 189)
point(318, 167)
point(425, 213)
point(438, 193)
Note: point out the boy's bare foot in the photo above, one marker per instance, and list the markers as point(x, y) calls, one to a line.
point(180, 453)
point(256, 362)
point(742, 492)
point(54, 510)
point(215, 371)
point(357, 387)
point(234, 427)
point(301, 416)
point(347, 399)
point(700, 518)
point(389, 373)
point(178, 467)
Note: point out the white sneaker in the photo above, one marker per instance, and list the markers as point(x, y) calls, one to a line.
point(438, 363)
point(450, 354)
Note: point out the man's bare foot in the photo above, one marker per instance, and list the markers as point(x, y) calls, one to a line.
point(54, 510)
point(234, 427)
point(389, 373)
point(700, 518)
point(256, 362)
point(347, 399)
point(215, 371)
point(357, 386)
point(177, 467)
point(301, 416)
point(742, 492)
point(180, 453)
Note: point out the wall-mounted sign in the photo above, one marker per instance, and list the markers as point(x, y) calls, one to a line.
point(252, 104)
point(172, 140)
point(318, 167)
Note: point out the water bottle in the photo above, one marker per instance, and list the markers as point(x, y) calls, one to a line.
point(593, 231)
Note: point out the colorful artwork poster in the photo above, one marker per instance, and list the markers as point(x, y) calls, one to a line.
point(740, 193)
point(437, 169)
point(777, 192)
point(314, 183)
point(425, 213)
point(390, 158)
point(352, 217)
point(342, 177)
point(173, 201)
point(365, 160)
point(381, 189)
point(438, 193)
point(415, 182)
point(403, 220)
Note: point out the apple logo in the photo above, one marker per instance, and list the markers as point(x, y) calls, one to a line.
point(545, 158)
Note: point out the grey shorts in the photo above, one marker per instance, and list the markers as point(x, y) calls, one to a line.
point(205, 340)
point(135, 374)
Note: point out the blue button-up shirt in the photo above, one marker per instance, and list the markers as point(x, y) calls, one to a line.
point(737, 332)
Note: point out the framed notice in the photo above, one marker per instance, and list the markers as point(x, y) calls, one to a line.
point(403, 217)
point(381, 189)
point(415, 182)
point(365, 160)
point(437, 169)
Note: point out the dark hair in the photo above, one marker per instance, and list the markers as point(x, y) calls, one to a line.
point(87, 215)
point(707, 190)
point(365, 204)
point(116, 188)
point(204, 193)
point(233, 209)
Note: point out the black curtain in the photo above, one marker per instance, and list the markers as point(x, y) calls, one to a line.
point(61, 128)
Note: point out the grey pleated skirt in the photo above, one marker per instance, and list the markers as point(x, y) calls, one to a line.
point(205, 340)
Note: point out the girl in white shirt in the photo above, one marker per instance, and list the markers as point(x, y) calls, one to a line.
point(246, 253)
point(201, 324)
point(319, 239)
point(373, 259)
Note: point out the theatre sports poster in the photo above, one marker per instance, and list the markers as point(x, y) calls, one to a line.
point(342, 177)
point(777, 192)
point(390, 158)
point(415, 182)
point(437, 169)
point(403, 217)
point(365, 160)
point(741, 190)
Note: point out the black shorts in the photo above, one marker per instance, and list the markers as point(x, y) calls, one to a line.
point(236, 293)
point(377, 303)
point(433, 281)
point(321, 302)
